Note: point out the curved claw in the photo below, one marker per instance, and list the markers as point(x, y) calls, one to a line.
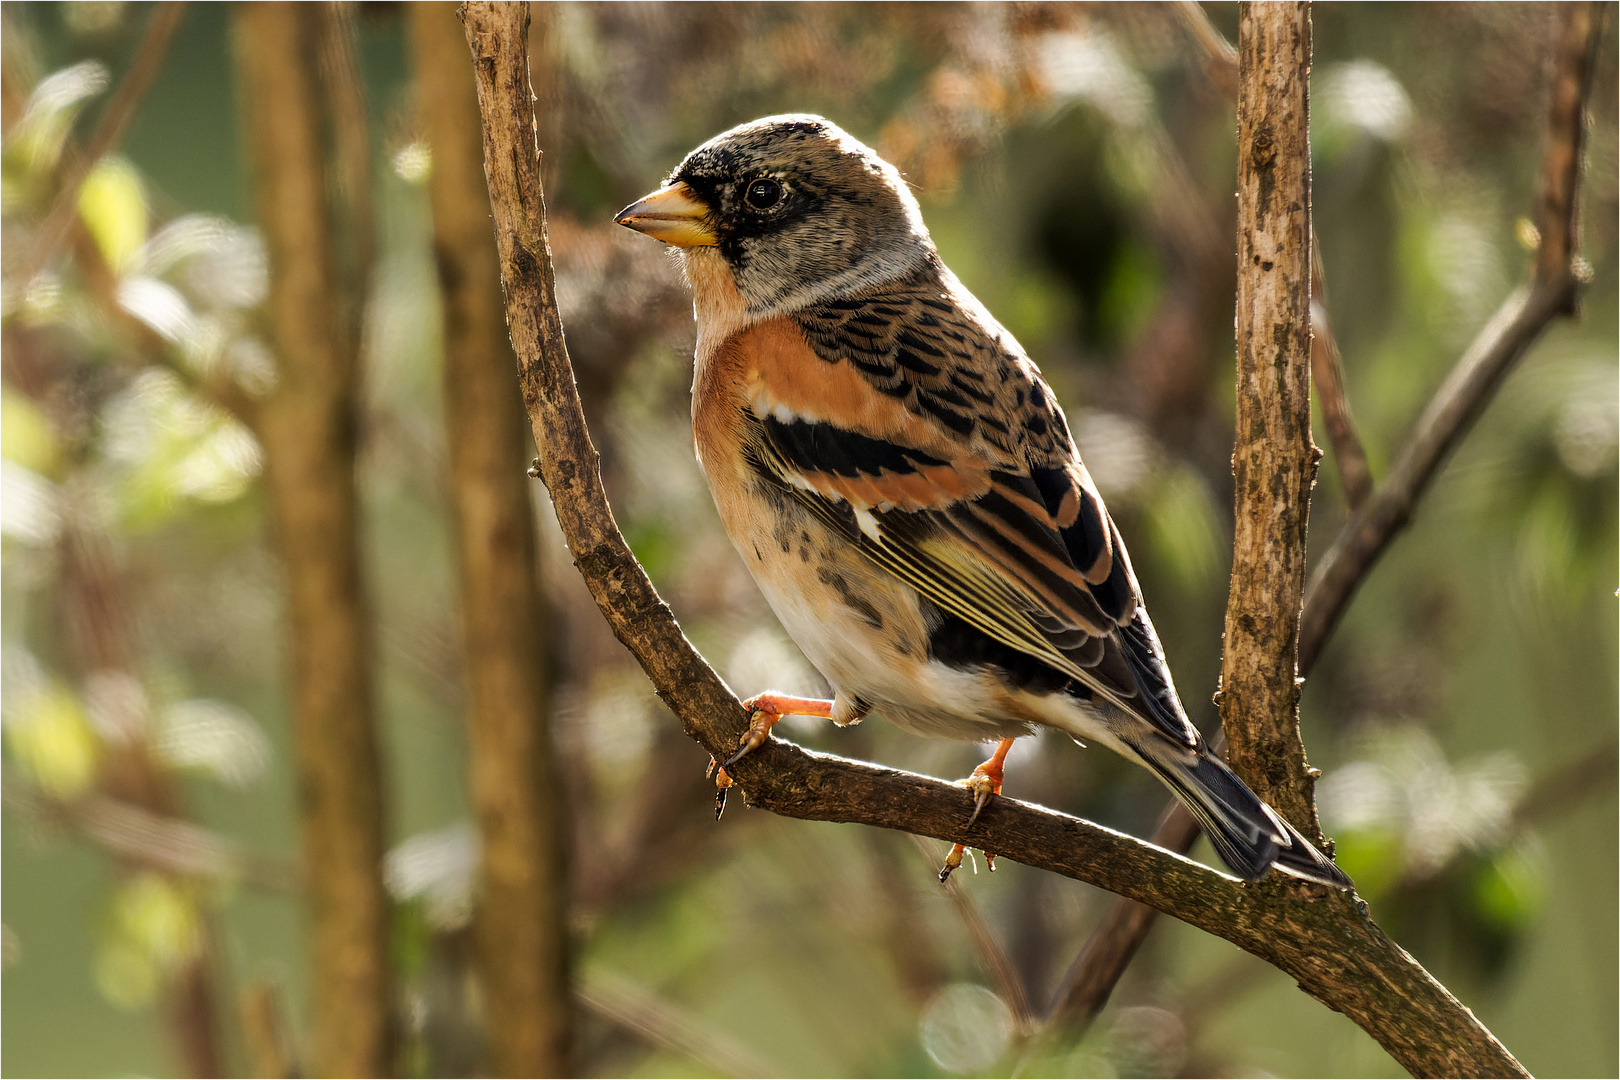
point(721, 783)
point(983, 785)
point(981, 797)
point(759, 729)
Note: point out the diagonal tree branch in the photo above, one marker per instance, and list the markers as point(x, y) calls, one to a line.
point(997, 964)
point(1321, 937)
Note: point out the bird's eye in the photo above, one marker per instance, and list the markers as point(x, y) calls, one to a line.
point(763, 193)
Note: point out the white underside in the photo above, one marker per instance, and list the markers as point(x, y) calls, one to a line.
point(931, 699)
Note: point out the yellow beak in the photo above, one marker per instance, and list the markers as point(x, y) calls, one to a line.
point(672, 214)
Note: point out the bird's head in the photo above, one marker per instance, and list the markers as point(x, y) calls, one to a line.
point(796, 208)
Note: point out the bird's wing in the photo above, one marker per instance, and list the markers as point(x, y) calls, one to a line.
point(948, 463)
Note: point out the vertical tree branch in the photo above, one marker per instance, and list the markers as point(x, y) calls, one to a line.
point(307, 426)
point(264, 1032)
point(522, 920)
point(1274, 460)
point(353, 215)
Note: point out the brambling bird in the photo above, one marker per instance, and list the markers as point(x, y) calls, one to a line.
point(903, 486)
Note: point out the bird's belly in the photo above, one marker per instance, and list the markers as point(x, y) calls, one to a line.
point(863, 628)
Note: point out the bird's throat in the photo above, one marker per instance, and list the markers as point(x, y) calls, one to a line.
point(719, 308)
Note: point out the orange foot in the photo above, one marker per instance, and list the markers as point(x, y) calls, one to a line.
point(985, 782)
point(764, 711)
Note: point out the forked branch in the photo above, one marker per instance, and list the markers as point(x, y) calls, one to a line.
point(1503, 340)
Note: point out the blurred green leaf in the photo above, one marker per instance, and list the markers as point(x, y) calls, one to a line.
point(1510, 890)
point(51, 739)
point(27, 436)
point(112, 203)
point(652, 546)
point(153, 927)
point(1131, 295)
point(1371, 856)
point(170, 447)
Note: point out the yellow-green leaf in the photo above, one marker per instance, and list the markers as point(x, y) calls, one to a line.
point(51, 739)
point(27, 436)
point(113, 206)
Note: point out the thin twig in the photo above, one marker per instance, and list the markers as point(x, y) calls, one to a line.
point(1321, 937)
point(1517, 324)
point(149, 56)
point(994, 958)
point(1327, 373)
point(1220, 58)
point(1588, 775)
point(664, 1024)
point(138, 835)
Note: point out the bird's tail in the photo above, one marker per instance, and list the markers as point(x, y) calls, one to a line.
point(1250, 836)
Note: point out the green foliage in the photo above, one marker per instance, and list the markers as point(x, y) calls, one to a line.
point(153, 927)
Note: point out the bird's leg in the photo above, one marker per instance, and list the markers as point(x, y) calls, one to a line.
point(764, 711)
point(985, 782)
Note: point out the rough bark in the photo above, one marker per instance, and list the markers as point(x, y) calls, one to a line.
point(307, 426)
point(1321, 937)
point(522, 919)
point(1274, 460)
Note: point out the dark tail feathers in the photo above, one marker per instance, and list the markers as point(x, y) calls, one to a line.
point(1250, 836)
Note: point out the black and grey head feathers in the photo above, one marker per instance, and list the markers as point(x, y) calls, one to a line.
point(802, 210)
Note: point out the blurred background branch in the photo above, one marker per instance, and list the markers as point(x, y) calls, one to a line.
point(523, 914)
point(1327, 379)
point(121, 108)
point(1505, 338)
point(308, 427)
